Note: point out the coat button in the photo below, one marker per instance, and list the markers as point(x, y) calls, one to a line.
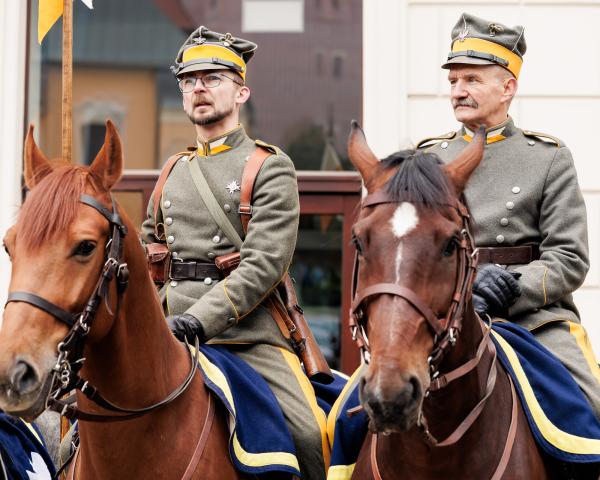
point(504, 222)
point(174, 255)
point(516, 189)
point(173, 283)
point(231, 320)
point(169, 221)
point(170, 239)
point(216, 239)
point(510, 205)
point(208, 280)
point(531, 143)
point(444, 145)
point(227, 207)
point(500, 238)
point(211, 255)
point(167, 204)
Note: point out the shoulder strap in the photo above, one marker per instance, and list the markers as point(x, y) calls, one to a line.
point(212, 204)
point(158, 188)
point(253, 166)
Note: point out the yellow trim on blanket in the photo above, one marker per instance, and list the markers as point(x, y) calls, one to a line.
point(340, 472)
point(247, 458)
point(309, 393)
point(333, 414)
point(562, 440)
point(577, 330)
point(30, 427)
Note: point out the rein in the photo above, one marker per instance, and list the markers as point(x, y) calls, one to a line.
point(446, 330)
point(70, 351)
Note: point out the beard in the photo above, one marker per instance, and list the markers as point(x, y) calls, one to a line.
point(209, 119)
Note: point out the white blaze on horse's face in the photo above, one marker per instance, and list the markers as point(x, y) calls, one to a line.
point(404, 220)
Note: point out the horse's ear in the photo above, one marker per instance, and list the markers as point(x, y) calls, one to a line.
point(460, 169)
point(35, 164)
point(108, 164)
point(360, 154)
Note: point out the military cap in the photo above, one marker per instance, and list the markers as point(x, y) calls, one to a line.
point(477, 41)
point(208, 50)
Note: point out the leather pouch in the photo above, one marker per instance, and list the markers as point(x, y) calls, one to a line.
point(228, 263)
point(159, 262)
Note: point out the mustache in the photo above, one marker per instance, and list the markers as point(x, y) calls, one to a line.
point(465, 102)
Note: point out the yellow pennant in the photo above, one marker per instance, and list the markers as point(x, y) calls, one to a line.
point(49, 12)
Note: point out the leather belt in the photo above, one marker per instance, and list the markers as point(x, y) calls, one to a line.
point(509, 255)
point(193, 271)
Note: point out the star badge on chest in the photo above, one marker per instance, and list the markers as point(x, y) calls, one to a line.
point(233, 187)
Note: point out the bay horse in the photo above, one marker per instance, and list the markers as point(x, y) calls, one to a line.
point(68, 302)
point(438, 403)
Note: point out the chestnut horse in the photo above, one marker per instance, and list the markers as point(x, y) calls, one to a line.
point(439, 404)
point(68, 301)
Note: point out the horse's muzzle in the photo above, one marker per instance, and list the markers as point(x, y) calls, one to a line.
point(23, 391)
point(392, 410)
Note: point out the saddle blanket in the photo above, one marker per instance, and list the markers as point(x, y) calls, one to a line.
point(561, 419)
point(23, 455)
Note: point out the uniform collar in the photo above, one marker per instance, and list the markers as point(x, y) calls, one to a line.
point(494, 134)
point(222, 143)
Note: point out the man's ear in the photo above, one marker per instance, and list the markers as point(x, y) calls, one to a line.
point(510, 86)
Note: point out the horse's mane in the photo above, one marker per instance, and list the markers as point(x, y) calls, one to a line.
point(51, 206)
point(419, 178)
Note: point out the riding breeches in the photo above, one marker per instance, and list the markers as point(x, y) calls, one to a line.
point(569, 342)
point(305, 419)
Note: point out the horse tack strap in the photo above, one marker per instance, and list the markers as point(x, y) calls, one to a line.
point(65, 317)
point(374, 465)
point(208, 421)
point(253, 166)
point(407, 294)
point(158, 188)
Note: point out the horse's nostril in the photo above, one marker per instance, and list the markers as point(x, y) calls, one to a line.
point(416, 388)
point(24, 378)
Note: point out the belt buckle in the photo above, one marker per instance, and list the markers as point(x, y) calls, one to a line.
point(173, 260)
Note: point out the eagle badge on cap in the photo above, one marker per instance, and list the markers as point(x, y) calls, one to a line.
point(494, 28)
point(462, 35)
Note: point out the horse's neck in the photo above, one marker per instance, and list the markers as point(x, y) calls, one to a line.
point(138, 362)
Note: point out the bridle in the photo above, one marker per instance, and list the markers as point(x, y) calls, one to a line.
point(70, 359)
point(446, 330)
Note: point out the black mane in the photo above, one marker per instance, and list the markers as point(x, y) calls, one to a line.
point(418, 179)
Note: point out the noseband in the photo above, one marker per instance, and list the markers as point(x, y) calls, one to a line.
point(445, 329)
point(70, 351)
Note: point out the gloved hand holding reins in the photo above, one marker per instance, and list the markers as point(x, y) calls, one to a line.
point(495, 289)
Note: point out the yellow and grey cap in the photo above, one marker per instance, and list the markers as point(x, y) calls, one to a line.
point(476, 41)
point(208, 50)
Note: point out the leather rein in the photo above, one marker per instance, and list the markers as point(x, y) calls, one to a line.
point(65, 377)
point(446, 330)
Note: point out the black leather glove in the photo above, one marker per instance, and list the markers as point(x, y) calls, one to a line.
point(186, 326)
point(497, 287)
point(479, 304)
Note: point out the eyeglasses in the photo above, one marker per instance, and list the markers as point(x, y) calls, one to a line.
point(212, 80)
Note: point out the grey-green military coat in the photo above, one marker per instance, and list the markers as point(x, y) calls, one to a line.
point(525, 191)
point(229, 310)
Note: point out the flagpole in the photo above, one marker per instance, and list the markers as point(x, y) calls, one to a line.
point(67, 81)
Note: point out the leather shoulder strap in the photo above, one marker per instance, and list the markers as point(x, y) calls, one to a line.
point(160, 183)
point(253, 166)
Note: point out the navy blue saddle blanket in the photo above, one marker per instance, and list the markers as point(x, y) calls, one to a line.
point(23, 455)
point(260, 441)
point(560, 417)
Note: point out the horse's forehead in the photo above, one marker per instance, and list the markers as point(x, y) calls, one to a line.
point(404, 219)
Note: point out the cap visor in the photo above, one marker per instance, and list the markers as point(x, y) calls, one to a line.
point(201, 66)
point(463, 59)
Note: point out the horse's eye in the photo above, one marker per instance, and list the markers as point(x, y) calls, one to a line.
point(84, 248)
point(450, 247)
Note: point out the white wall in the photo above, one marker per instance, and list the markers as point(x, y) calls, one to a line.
point(13, 17)
point(405, 95)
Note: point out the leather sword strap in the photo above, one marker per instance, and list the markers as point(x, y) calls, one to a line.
point(158, 188)
point(253, 166)
point(193, 271)
point(509, 255)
